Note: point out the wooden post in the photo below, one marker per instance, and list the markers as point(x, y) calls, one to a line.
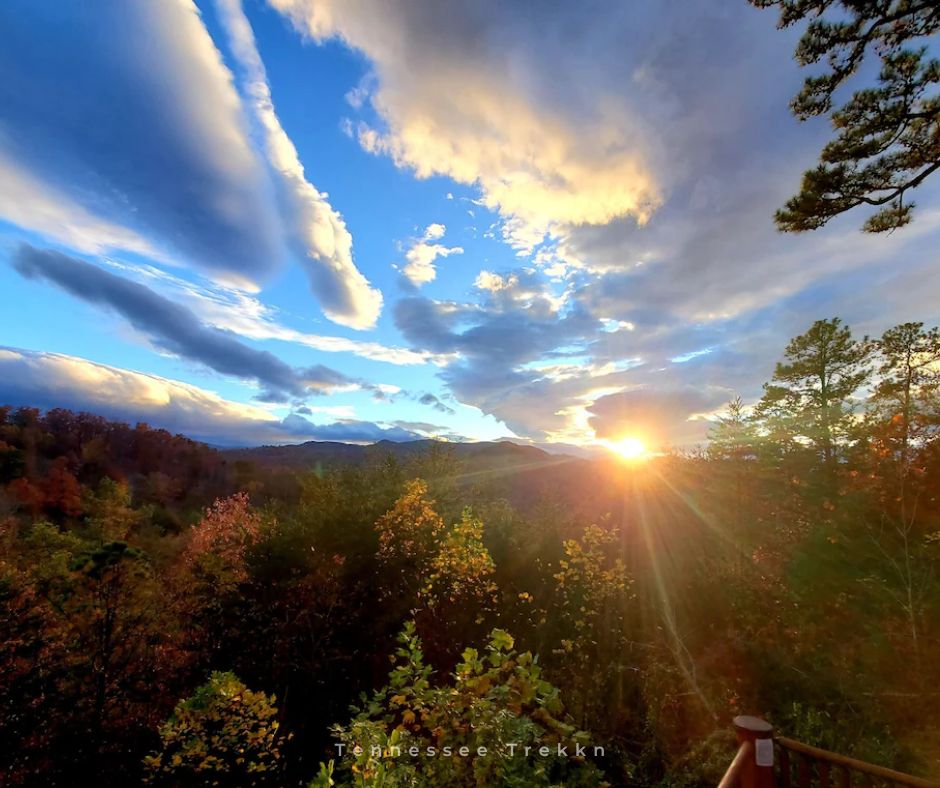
point(758, 771)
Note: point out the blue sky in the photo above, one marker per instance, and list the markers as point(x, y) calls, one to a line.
point(329, 219)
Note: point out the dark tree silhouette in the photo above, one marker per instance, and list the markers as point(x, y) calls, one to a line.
point(887, 138)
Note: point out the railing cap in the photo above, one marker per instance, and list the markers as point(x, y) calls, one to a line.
point(753, 725)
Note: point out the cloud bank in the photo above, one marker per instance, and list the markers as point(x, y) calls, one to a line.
point(633, 152)
point(657, 416)
point(232, 309)
point(636, 152)
point(478, 93)
point(53, 380)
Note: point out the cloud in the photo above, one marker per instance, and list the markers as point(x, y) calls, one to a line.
point(53, 380)
point(175, 328)
point(497, 341)
point(539, 360)
point(427, 430)
point(317, 229)
point(345, 412)
point(493, 283)
point(423, 252)
point(511, 327)
point(636, 151)
point(657, 415)
point(680, 283)
point(348, 431)
point(28, 202)
point(622, 147)
point(232, 309)
point(724, 261)
point(124, 120)
point(48, 380)
point(492, 94)
point(433, 401)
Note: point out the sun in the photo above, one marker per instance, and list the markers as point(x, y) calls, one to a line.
point(630, 448)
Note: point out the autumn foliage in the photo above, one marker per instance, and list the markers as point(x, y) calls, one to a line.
point(187, 617)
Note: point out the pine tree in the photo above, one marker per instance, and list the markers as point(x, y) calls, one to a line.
point(733, 443)
point(813, 386)
point(904, 400)
point(904, 417)
point(887, 137)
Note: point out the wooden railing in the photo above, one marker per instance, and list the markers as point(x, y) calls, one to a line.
point(766, 761)
point(734, 776)
point(804, 766)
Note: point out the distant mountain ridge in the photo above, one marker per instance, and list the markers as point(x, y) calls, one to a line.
point(60, 449)
point(523, 475)
point(301, 455)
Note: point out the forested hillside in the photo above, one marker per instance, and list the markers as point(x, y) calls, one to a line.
point(181, 616)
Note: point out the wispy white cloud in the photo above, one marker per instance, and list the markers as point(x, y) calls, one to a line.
point(318, 230)
point(232, 309)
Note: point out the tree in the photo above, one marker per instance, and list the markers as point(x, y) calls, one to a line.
point(887, 137)
point(12, 463)
point(27, 495)
point(215, 571)
point(108, 510)
point(113, 618)
point(904, 400)
point(88, 620)
point(221, 539)
point(30, 652)
point(732, 442)
point(408, 536)
point(61, 490)
point(732, 439)
point(224, 735)
point(462, 570)
point(458, 591)
point(485, 727)
point(904, 417)
point(594, 595)
point(813, 386)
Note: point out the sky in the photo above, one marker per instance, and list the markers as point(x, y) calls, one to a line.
point(275, 221)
